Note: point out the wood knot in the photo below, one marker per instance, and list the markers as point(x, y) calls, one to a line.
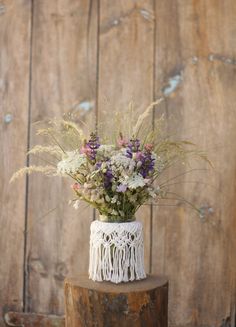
point(37, 266)
point(2, 9)
point(61, 271)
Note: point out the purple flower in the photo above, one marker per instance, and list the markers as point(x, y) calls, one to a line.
point(133, 146)
point(121, 188)
point(108, 178)
point(90, 148)
point(148, 164)
point(98, 165)
point(93, 142)
point(129, 153)
point(139, 156)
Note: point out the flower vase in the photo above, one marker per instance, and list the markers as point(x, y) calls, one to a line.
point(116, 251)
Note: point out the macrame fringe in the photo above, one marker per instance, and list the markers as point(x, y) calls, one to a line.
point(116, 252)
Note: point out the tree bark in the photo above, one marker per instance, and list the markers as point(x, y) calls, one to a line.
point(139, 303)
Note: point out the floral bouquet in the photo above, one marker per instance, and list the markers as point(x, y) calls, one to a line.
point(114, 178)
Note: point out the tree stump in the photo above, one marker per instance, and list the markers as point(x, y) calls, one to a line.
point(103, 304)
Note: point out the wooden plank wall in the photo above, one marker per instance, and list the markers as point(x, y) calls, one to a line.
point(198, 254)
point(15, 27)
point(94, 57)
point(63, 76)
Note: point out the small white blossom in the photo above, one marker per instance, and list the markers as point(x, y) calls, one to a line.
point(139, 164)
point(136, 180)
point(120, 159)
point(152, 193)
point(71, 162)
point(154, 156)
point(114, 199)
point(76, 204)
point(105, 150)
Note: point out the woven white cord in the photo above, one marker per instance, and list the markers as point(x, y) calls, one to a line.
point(116, 252)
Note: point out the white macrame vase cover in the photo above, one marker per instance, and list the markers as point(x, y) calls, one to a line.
point(116, 252)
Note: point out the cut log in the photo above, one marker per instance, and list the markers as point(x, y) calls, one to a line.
point(94, 304)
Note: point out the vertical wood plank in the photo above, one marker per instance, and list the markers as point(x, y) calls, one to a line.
point(126, 69)
point(196, 39)
point(15, 20)
point(63, 79)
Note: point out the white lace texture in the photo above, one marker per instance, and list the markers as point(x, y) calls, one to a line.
point(116, 252)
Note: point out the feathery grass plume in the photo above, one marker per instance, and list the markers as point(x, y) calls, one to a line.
point(155, 135)
point(130, 119)
point(72, 125)
point(125, 122)
point(144, 116)
point(121, 125)
point(47, 170)
point(171, 150)
point(44, 131)
point(65, 134)
point(202, 155)
point(68, 135)
point(53, 150)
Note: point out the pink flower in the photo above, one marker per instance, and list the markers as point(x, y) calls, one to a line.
point(122, 142)
point(86, 150)
point(76, 186)
point(148, 147)
point(139, 155)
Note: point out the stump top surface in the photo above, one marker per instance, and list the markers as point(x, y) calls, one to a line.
point(151, 282)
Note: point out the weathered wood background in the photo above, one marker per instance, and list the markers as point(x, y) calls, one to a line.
point(95, 56)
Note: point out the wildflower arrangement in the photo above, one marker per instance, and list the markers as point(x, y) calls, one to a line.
point(115, 177)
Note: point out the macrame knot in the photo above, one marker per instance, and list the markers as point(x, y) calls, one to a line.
point(116, 252)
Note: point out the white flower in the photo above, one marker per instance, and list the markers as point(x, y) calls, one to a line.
point(76, 204)
point(114, 199)
point(154, 156)
point(139, 164)
point(71, 162)
point(120, 159)
point(105, 150)
point(152, 193)
point(135, 181)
